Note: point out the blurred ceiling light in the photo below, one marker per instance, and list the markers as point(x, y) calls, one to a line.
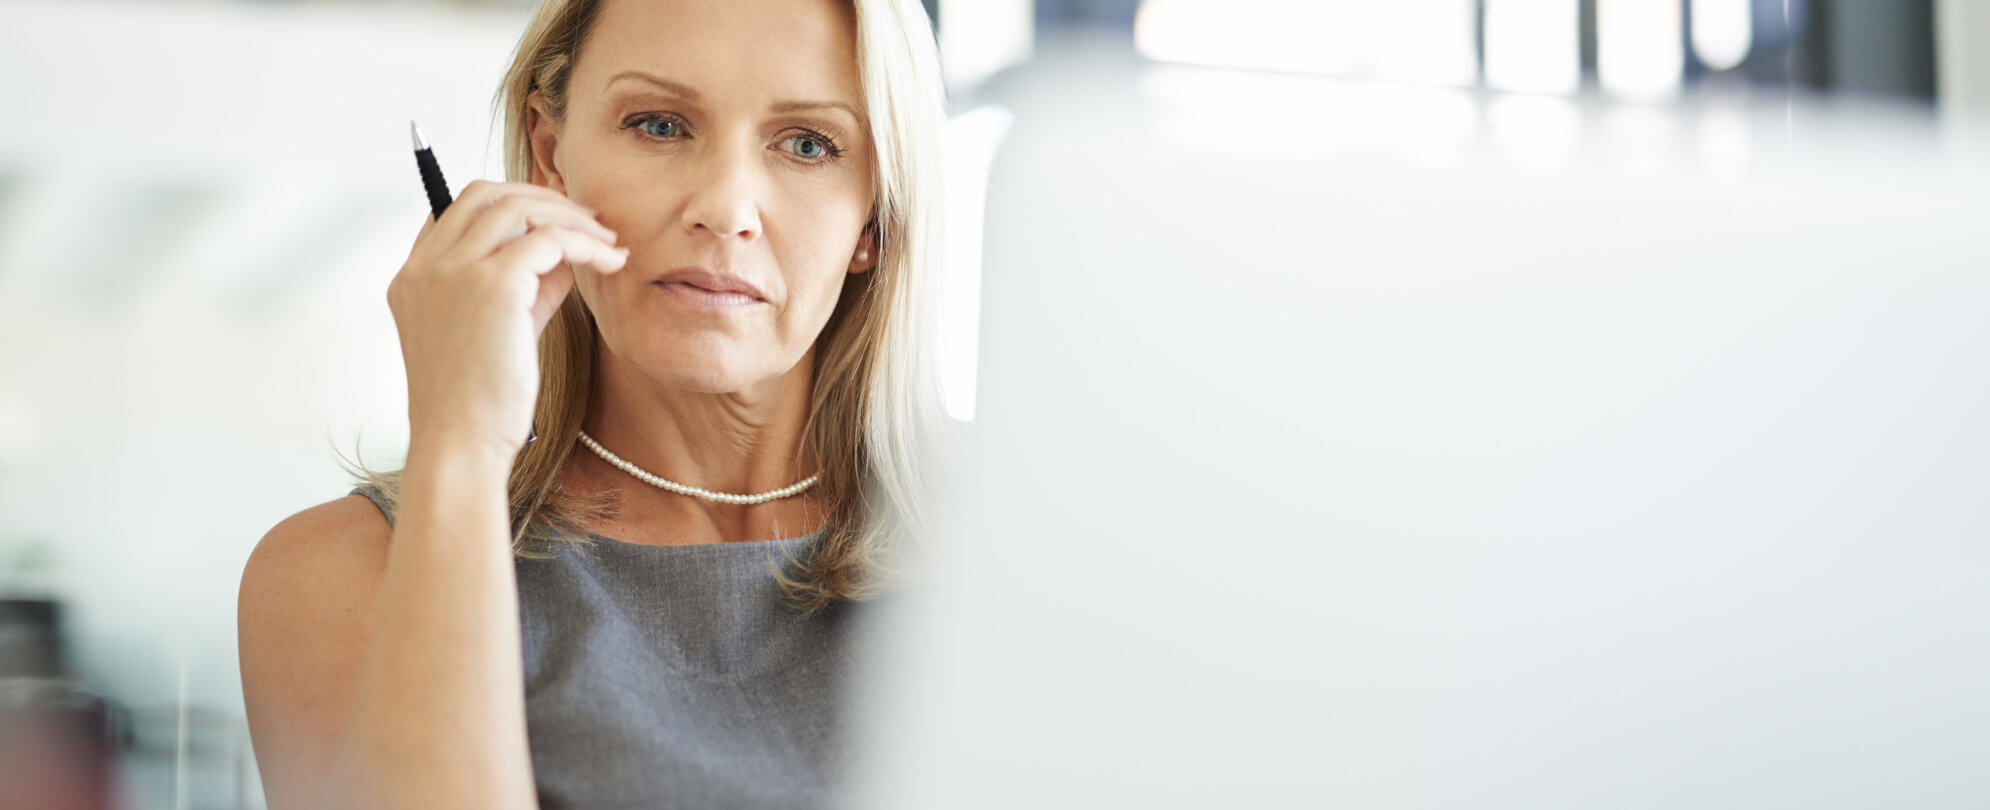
point(1723, 32)
point(1533, 46)
point(1640, 53)
point(1424, 41)
point(980, 37)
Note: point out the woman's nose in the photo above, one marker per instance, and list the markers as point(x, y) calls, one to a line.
point(725, 195)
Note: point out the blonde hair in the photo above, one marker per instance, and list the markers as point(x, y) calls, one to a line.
point(876, 410)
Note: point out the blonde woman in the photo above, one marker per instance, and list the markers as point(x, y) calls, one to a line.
point(705, 285)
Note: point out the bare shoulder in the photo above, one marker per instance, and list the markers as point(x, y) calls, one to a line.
point(332, 524)
point(304, 615)
point(339, 538)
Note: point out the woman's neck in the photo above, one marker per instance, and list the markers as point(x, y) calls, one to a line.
point(743, 442)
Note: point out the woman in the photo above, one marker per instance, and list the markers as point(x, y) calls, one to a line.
point(722, 252)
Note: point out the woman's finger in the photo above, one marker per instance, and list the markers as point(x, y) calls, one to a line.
point(512, 217)
point(469, 207)
point(543, 249)
point(553, 289)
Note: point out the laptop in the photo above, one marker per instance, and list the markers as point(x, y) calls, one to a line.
point(1349, 445)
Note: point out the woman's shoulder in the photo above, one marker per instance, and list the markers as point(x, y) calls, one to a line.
point(361, 518)
point(330, 544)
point(303, 619)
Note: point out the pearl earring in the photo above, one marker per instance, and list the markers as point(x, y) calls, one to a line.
point(863, 255)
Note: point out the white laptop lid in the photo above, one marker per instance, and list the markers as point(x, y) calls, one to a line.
point(1345, 446)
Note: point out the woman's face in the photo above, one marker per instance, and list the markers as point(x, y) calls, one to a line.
point(717, 138)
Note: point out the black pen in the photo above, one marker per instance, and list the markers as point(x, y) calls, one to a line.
point(438, 195)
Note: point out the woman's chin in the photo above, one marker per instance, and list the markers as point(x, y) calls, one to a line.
point(703, 361)
point(706, 371)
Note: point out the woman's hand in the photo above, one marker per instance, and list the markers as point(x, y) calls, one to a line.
point(477, 289)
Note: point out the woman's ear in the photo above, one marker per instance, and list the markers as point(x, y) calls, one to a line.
point(866, 255)
point(544, 136)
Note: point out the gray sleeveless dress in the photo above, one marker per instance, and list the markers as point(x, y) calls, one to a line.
point(674, 677)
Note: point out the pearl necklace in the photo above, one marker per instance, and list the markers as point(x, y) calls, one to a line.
point(695, 492)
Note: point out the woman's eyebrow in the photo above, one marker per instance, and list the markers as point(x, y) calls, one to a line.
point(810, 106)
point(679, 88)
point(691, 93)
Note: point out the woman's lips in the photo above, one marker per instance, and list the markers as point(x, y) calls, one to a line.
point(723, 281)
point(712, 300)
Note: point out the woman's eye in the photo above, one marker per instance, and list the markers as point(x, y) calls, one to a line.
point(810, 147)
point(658, 127)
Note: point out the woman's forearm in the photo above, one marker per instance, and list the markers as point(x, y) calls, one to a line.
point(439, 720)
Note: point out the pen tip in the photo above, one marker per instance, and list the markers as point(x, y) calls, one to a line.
point(415, 131)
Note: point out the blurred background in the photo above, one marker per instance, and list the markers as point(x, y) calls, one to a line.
point(201, 204)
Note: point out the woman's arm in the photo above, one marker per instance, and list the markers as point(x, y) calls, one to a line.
point(382, 669)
